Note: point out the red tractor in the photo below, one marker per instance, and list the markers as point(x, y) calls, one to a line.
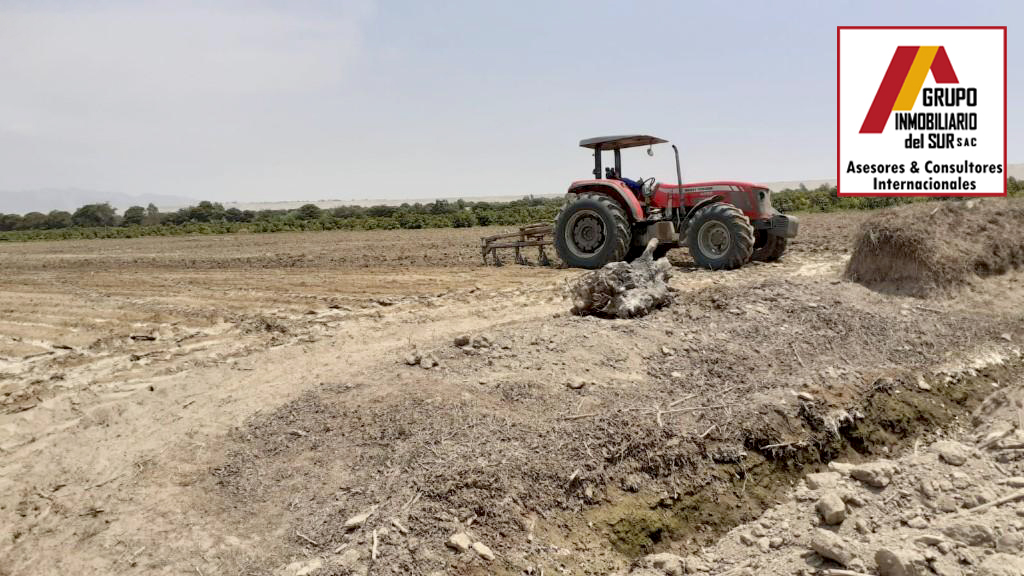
point(724, 224)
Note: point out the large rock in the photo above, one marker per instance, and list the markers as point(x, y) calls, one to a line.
point(972, 533)
point(483, 551)
point(669, 564)
point(459, 542)
point(878, 474)
point(1001, 565)
point(951, 452)
point(693, 564)
point(901, 562)
point(822, 480)
point(832, 546)
point(831, 508)
point(1011, 542)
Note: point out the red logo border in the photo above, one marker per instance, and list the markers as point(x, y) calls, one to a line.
point(839, 168)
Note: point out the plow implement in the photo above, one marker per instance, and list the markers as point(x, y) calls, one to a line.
point(539, 235)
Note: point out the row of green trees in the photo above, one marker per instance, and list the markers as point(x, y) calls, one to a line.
point(827, 199)
point(103, 221)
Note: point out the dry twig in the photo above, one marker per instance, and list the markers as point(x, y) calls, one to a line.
point(797, 354)
point(306, 538)
point(1018, 495)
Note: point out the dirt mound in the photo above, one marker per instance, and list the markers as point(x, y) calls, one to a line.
point(929, 248)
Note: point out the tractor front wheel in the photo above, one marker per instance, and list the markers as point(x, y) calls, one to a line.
point(591, 230)
point(769, 248)
point(720, 237)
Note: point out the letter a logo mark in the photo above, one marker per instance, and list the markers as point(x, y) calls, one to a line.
point(903, 80)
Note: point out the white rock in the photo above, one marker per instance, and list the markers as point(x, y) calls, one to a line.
point(832, 546)
point(929, 539)
point(831, 508)
point(460, 542)
point(901, 562)
point(1001, 565)
point(693, 564)
point(764, 545)
point(669, 564)
point(303, 568)
point(1011, 542)
point(971, 533)
point(483, 551)
point(357, 521)
point(946, 503)
point(917, 522)
point(841, 467)
point(878, 473)
point(822, 480)
point(951, 452)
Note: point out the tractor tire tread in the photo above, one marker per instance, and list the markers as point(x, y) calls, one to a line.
point(623, 235)
point(739, 226)
point(772, 250)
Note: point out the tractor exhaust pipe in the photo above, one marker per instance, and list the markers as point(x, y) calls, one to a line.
point(679, 190)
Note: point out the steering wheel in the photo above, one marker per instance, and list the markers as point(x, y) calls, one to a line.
point(647, 186)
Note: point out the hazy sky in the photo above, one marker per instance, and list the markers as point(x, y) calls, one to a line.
point(255, 101)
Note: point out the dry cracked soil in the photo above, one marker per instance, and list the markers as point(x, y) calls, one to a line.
point(383, 403)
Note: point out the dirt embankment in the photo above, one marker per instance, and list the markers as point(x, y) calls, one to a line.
point(930, 248)
point(950, 505)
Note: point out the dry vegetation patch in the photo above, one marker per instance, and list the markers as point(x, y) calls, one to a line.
point(925, 249)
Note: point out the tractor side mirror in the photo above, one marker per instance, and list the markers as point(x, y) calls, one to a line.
point(650, 151)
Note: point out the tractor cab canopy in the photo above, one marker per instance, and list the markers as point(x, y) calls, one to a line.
point(620, 142)
point(617, 144)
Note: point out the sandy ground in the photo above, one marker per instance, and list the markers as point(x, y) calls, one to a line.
point(224, 405)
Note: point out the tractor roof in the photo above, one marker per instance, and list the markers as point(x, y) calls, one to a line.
point(620, 142)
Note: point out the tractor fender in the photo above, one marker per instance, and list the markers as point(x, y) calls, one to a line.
point(701, 204)
point(616, 191)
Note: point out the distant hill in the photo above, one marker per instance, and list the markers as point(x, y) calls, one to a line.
point(45, 200)
point(71, 198)
point(1015, 170)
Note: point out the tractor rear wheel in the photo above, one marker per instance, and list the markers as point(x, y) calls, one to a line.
point(720, 237)
point(769, 248)
point(591, 230)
